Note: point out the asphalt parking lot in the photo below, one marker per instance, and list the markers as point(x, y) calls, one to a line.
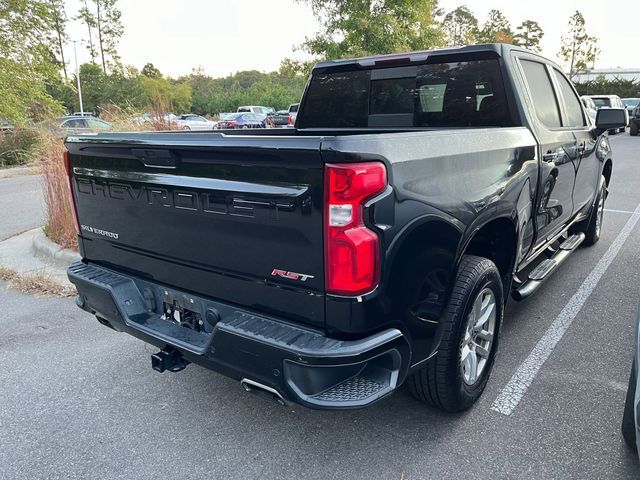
point(80, 401)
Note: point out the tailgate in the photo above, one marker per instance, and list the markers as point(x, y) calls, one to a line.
point(235, 218)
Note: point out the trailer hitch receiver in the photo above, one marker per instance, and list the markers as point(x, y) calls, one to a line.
point(168, 359)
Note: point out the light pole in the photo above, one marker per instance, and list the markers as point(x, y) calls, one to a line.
point(75, 54)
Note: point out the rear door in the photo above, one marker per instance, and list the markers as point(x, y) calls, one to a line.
point(234, 218)
point(587, 165)
point(558, 150)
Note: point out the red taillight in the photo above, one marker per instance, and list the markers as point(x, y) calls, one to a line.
point(232, 122)
point(72, 203)
point(352, 252)
point(289, 120)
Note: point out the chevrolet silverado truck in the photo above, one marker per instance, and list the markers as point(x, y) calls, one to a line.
point(373, 245)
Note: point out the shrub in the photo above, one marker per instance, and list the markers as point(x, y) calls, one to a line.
point(18, 146)
point(59, 226)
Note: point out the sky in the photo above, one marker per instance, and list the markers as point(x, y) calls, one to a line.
point(226, 36)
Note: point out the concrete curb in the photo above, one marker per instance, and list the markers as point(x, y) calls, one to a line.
point(42, 246)
point(20, 171)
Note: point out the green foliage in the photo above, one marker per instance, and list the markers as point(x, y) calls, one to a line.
point(59, 18)
point(578, 50)
point(460, 27)
point(351, 28)
point(18, 146)
point(110, 29)
point(618, 86)
point(161, 95)
point(86, 16)
point(529, 34)
point(104, 27)
point(496, 29)
point(27, 61)
point(149, 70)
point(215, 95)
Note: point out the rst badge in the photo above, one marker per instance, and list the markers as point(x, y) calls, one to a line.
point(290, 275)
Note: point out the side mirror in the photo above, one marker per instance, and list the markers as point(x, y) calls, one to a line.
point(611, 118)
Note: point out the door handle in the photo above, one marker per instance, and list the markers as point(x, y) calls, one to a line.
point(550, 156)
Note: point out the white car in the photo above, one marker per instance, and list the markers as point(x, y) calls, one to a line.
point(590, 107)
point(264, 111)
point(195, 122)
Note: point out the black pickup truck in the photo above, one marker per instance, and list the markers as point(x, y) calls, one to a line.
point(375, 244)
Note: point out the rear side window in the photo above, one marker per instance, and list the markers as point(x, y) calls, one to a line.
point(542, 94)
point(460, 94)
point(602, 102)
point(571, 102)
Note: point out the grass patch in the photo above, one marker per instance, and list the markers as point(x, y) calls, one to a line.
point(35, 283)
point(18, 146)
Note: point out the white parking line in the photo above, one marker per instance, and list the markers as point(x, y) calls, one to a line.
point(620, 211)
point(512, 393)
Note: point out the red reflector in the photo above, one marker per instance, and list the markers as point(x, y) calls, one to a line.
point(72, 203)
point(352, 252)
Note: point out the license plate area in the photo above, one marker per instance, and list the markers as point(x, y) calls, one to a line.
point(186, 311)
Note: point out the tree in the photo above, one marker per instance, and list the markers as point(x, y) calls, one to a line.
point(162, 96)
point(59, 20)
point(149, 70)
point(351, 28)
point(27, 63)
point(460, 27)
point(109, 25)
point(496, 29)
point(86, 16)
point(529, 33)
point(578, 49)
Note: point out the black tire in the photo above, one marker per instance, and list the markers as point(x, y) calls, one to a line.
point(440, 382)
point(633, 129)
point(592, 227)
point(628, 418)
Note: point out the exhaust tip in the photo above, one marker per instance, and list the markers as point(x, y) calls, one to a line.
point(262, 390)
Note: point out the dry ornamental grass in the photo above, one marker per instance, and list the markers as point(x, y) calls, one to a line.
point(60, 226)
point(38, 283)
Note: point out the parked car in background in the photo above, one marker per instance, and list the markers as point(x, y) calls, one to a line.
point(78, 124)
point(285, 118)
point(589, 106)
point(631, 104)
point(165, 118)
point(610, 101)
point(631, 414)
point(4, 124)
point(195, 122)
point(256, 109)
point(634, 123)
point(242, 120)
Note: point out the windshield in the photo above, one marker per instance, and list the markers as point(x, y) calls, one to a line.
point(459, 94)
point(630, 102)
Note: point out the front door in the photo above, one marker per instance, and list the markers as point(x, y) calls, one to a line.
point(558, 153)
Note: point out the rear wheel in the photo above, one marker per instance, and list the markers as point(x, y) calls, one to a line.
point(457, 376)
point(628, 417)
point(633, 129)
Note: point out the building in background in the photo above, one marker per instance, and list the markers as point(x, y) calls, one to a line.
point(609, 74)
